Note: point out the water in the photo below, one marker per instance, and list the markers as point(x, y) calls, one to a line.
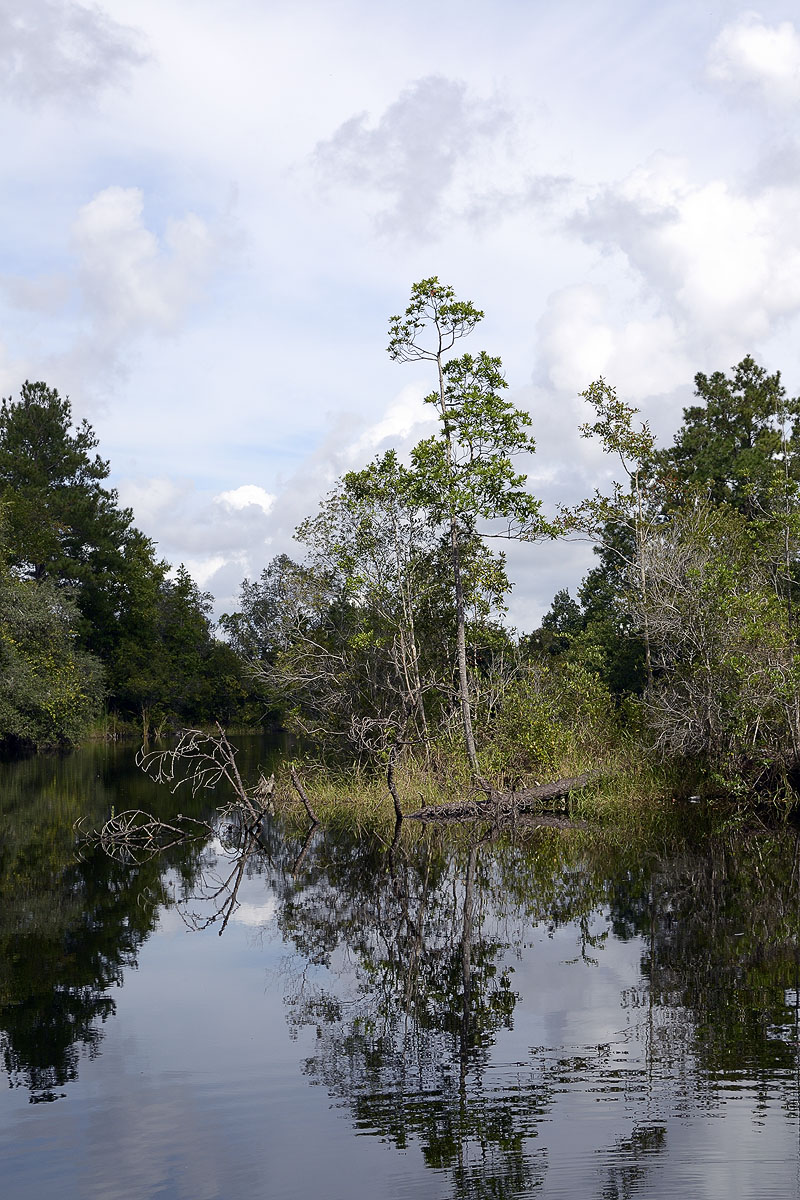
point(544, 1015)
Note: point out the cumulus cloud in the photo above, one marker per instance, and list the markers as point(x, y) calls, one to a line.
point(581, 338)
point(407, 414)
point(420, 154)
point(224, 537)
point(217, 541)
point(762, 58)
point(247, 494)
point(130, 279)
point(58, 49)
point(723, 262)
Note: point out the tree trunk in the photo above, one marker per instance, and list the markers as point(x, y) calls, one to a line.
point(461, 641)
point(458, 588)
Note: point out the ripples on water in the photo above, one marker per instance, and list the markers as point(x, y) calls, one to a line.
point(545, 1016)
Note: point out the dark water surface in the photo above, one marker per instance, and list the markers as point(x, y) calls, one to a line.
point(545, 1015)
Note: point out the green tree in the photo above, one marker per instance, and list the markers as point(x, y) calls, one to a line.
point(465, 473)
point(728, 668)
point(371, 534)
point(621, 524)
point(50, 689)
point(742, 439)
point(169, 665)
point(62, 523)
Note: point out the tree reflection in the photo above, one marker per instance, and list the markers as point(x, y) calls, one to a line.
point(69, 926)
point(721, 927)
point(418, 945)
point(403, 960)
point(408, 1048)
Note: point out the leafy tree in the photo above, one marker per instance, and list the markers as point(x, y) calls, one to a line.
point(729, 672)
point(62, 524)
point(465, 473)
point(50, 689)
point(67, 536)
point(735, 445)
point(560, 625)
point(621, 524)
point(168, 664)
point(371, 535)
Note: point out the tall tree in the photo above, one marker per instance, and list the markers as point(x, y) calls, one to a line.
point(465, 473)
point(62, 523)
point(621, 524)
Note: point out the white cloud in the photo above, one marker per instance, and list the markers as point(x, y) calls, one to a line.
point(131, 281)
point(723, 262)
point(62, 50)
point(406, 414)
point(247, 494)
point(204, 569)
point(583, 337)
point(218, 543)
point(152, 499)
point(753, 55)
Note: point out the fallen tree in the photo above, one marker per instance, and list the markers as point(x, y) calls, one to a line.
point(497, 805)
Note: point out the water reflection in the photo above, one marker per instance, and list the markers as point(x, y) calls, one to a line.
point(407, 1047)
point(420, 951)
point(70, 922)
point(418, 971)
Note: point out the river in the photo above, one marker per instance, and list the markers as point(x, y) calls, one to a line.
point(547, 1013)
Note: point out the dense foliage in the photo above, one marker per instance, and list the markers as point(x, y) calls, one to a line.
point(387, 635)
point(90, 618)
point(681, 648)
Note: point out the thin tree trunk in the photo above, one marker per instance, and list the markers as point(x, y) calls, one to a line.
point(461, 642)
point(458, 588)
point(643, 584)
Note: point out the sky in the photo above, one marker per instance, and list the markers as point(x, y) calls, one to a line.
point(211, 211)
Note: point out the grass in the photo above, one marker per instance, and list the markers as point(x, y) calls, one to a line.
point(628, 789)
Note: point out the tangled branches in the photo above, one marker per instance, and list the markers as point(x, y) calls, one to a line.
point(132, 837)
point(200, 759)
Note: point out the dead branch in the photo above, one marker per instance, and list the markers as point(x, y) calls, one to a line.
point(298, 787)
point(199, 759)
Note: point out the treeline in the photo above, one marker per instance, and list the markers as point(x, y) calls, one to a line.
point(680, 649)
point(387, 636)
point(92, 622)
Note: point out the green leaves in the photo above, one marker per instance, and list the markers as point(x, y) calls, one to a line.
point(615, 428)
point(742, 439)
point(49, 689)
point(434, 320)
point(465, 472)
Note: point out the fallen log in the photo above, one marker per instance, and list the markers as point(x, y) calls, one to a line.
point(501, 804)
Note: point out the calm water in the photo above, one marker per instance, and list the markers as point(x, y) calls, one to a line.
point(537, 1016)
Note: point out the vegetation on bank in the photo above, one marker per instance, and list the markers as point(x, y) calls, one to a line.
point(675, 671)
point(95, 632)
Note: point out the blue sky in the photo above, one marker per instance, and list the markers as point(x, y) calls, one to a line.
point(210, 211)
